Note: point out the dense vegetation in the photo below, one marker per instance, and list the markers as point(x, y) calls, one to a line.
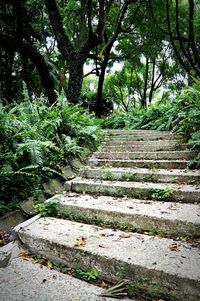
point(48, 102)
point(37, 142)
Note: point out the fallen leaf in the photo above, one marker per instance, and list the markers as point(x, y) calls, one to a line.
point(182, 238)
point(124, 235)
point(49, 265)
point(174, 247)
point(104, 284)
point(24, 255)
point(80, 242)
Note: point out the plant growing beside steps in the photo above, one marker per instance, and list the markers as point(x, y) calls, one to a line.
point(150, 242)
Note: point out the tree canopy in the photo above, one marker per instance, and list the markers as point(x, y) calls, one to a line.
point(46, 44)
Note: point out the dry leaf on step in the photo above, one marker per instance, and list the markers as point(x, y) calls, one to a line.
point(24, 255)
point(80, 242)
point(174, 247)
point(104, 284)
point(124, 235)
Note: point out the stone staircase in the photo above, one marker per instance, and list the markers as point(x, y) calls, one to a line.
point(132, 213)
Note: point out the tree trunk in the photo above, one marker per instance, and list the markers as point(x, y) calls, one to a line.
point(143, 101)
point(152, 83)
point(75, 80)
point(6, 78)
point(98, 105)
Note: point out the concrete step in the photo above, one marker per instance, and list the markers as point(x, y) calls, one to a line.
point(134, 138)
point(156, 191)
point(23, 280)
point(143, 174)
point(170, 164)
point(171, 265)
point(143, 147)
point(134, 132)
point(159, 155)
point(158, 143)
point(137, 215)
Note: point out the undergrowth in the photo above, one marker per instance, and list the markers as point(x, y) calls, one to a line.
point(37, 141)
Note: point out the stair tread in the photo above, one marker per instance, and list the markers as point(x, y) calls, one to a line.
point(45, 235)
point(151, 152)
point(178, 187)
point(139, 160)
point(189, 213)
point(30, 281)
point(175, 172)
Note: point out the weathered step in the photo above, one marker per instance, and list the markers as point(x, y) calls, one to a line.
point(137, 215)
point(143, 174)
point(134, 138)
point(143, 147)
point(170, 164)
point(156, 191)
point(158, 143)
point(172, 266)
point(23, 280)
point(133, 132)
point(159, 155)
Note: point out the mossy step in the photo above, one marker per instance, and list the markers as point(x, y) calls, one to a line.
point(159, 155)
point(137, 215)
point(158, 164)
point(143, 174)
point(145, 260)
point(156, 191)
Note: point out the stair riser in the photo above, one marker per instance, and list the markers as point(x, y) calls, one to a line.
point(141, 177)
point(177, 155)
point(110, 267)
point(139, 193)
point(136, 222)
point(139, 164)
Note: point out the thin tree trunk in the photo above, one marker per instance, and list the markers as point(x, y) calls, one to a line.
point(98, 106)
point(143, 101)
point(152, 83)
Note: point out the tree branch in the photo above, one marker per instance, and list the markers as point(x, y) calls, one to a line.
point(64, 44)
point(9, 43)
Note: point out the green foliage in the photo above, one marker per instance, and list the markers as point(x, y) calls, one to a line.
point(93, 274)
point(37, 141)
point(48, 208)
point(162, 194)
point(181, 115)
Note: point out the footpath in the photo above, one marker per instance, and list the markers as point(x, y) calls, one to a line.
point(131, 214)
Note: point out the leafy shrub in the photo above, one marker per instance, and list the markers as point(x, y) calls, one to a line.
point(37, 141)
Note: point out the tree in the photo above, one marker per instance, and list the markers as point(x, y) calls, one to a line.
point(76, 42)
point(15, 37)
point(182, 27)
